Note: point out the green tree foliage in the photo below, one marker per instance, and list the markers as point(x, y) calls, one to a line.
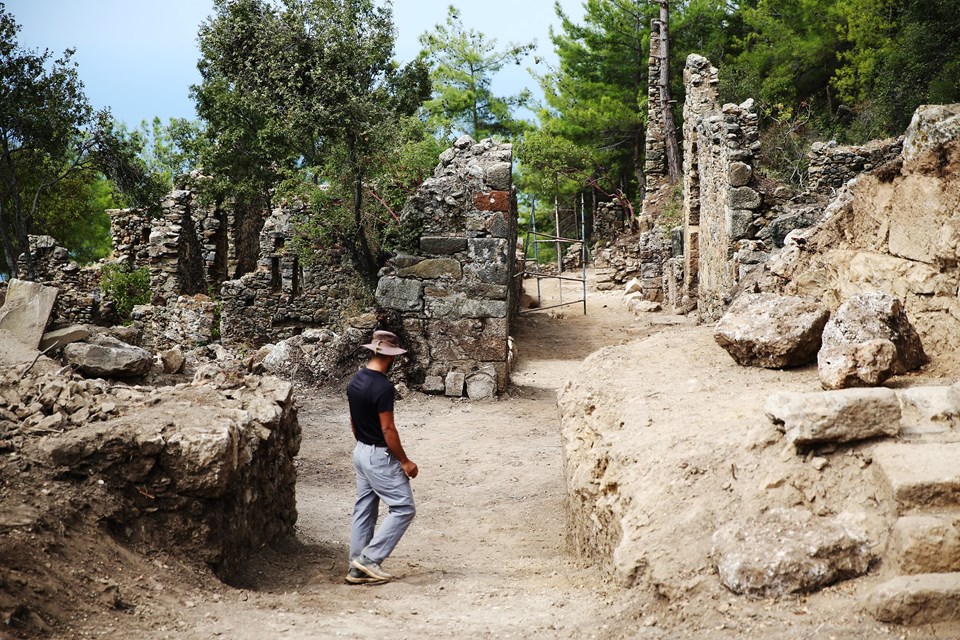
point(303, 90)
point(52, 144)
point(172, 150)
point(593, 124)
point(463, 64)
point(595, 99)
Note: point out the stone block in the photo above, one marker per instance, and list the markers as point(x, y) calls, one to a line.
point(60, 338)
point(172, 360)
point(109, 358)
point(929, 409)
point(442, 245)
point(453, 384)
point(739, 223)
point(920, 476)
point(433, 268)
point(772, 331)
point(499, 176)
point(492, 201)
point(497, 225)
point(434, 385)
point(26, 310)
point(402, 294)
point(633, 286)
point(924, 544)
point(790, 551)
point(489, 260)
point(914, 600)
point(744, 198)
point(739, 174)
point(835, 416)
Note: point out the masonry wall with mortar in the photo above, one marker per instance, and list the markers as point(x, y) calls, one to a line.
point(456, 292)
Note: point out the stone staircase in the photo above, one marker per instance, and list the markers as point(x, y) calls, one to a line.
point(920, 475)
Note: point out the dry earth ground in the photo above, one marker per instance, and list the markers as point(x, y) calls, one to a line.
point(486, 556)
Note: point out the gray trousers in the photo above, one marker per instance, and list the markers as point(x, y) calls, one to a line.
point(379, 477)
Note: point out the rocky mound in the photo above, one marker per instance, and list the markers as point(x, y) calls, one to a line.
point(203, 469)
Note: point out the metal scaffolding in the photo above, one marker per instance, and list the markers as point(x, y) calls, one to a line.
point(558, 241)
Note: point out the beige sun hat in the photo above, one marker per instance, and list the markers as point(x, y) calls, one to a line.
point(384, 343)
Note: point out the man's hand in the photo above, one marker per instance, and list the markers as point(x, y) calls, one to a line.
point(410, 468)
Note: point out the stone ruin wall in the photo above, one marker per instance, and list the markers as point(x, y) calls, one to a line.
point(456, 293)
point(833, 166)
point(79, 300)
point(721, 200)
point(655, 151)
point(282, 297)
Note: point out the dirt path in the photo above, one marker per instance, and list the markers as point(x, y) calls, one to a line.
point(486, 555)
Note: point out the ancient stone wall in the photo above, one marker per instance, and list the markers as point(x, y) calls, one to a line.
point(456, 294)
point(832, 166)
point(206, 467)
point(79, 299)
point(282, 297)
point(721, 202)
point(655, 153)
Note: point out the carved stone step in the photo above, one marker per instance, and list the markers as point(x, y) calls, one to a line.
point(920, 476)
point(924, 544)
point(915, 600)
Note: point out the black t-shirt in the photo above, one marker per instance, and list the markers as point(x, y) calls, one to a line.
point(370, 393)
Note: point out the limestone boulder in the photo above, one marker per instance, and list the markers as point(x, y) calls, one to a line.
point(866, 364)
point(772, 331)
point(285, 358)
point(876, 316)
point(929, 409)
point(932, 129)
point(847, 415)
point(790, 551)
point(25, 311)
point(106, 357)
point(924, 544)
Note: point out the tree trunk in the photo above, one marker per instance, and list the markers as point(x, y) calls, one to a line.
point(9, 254)
point(362, 253)
point(672, 145)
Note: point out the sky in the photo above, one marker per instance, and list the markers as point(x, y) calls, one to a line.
point(139, 57)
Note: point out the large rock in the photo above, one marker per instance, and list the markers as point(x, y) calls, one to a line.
point(790, 551)
point(932, 128)
point(107, 357)
point(481, 386)
point(26, 310)
point(872, 316)
point(772, 331)
point(866, 364)
point(835, 416)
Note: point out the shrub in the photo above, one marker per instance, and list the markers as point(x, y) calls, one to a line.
point(126, 287)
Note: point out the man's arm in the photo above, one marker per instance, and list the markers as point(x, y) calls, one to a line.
point(392, 437)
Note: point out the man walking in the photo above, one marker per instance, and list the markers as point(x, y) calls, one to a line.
point(383, 469)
